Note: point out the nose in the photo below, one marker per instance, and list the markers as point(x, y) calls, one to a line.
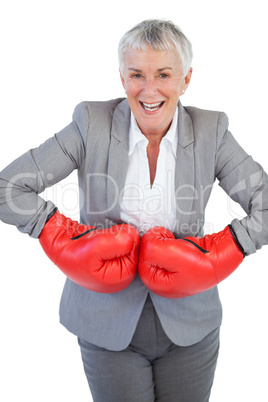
point(150, 88)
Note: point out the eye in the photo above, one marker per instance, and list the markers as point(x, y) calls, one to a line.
point(136, 75)
point(163, 75)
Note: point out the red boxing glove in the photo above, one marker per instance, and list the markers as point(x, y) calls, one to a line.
point(175, 268)
point(102, 260)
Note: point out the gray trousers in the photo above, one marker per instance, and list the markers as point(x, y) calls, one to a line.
point(152, 368)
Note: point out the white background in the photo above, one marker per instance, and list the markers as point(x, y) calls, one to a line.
point(56, 53)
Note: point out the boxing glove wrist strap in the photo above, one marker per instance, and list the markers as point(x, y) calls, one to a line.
point(51, 214)
point(236, 240)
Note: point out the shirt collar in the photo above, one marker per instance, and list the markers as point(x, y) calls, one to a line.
point(135, 134)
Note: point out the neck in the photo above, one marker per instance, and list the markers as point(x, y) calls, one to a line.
point(154, 136)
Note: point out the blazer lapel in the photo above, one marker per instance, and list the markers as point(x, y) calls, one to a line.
point(118, 158)
point(184, 175)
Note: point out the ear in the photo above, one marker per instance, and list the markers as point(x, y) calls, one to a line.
point(187, 79)
point(122, 78)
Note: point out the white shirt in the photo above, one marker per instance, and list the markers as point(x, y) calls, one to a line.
point(144, 206)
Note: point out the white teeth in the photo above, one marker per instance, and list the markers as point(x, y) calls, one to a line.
point(152, 106)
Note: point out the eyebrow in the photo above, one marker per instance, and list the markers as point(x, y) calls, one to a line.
point(139, 71)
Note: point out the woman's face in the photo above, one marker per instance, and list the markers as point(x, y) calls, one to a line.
point(153, 81)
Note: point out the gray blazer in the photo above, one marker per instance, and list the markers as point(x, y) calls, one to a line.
point(96, 144)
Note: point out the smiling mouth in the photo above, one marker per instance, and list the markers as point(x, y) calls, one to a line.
point(151, 107)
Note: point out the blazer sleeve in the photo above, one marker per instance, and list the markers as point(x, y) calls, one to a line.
point(245, 181)
point(25, 178)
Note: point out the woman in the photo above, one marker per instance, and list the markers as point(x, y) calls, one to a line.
point(145, 161)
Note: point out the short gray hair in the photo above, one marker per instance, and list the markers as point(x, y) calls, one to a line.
point(160, 35)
